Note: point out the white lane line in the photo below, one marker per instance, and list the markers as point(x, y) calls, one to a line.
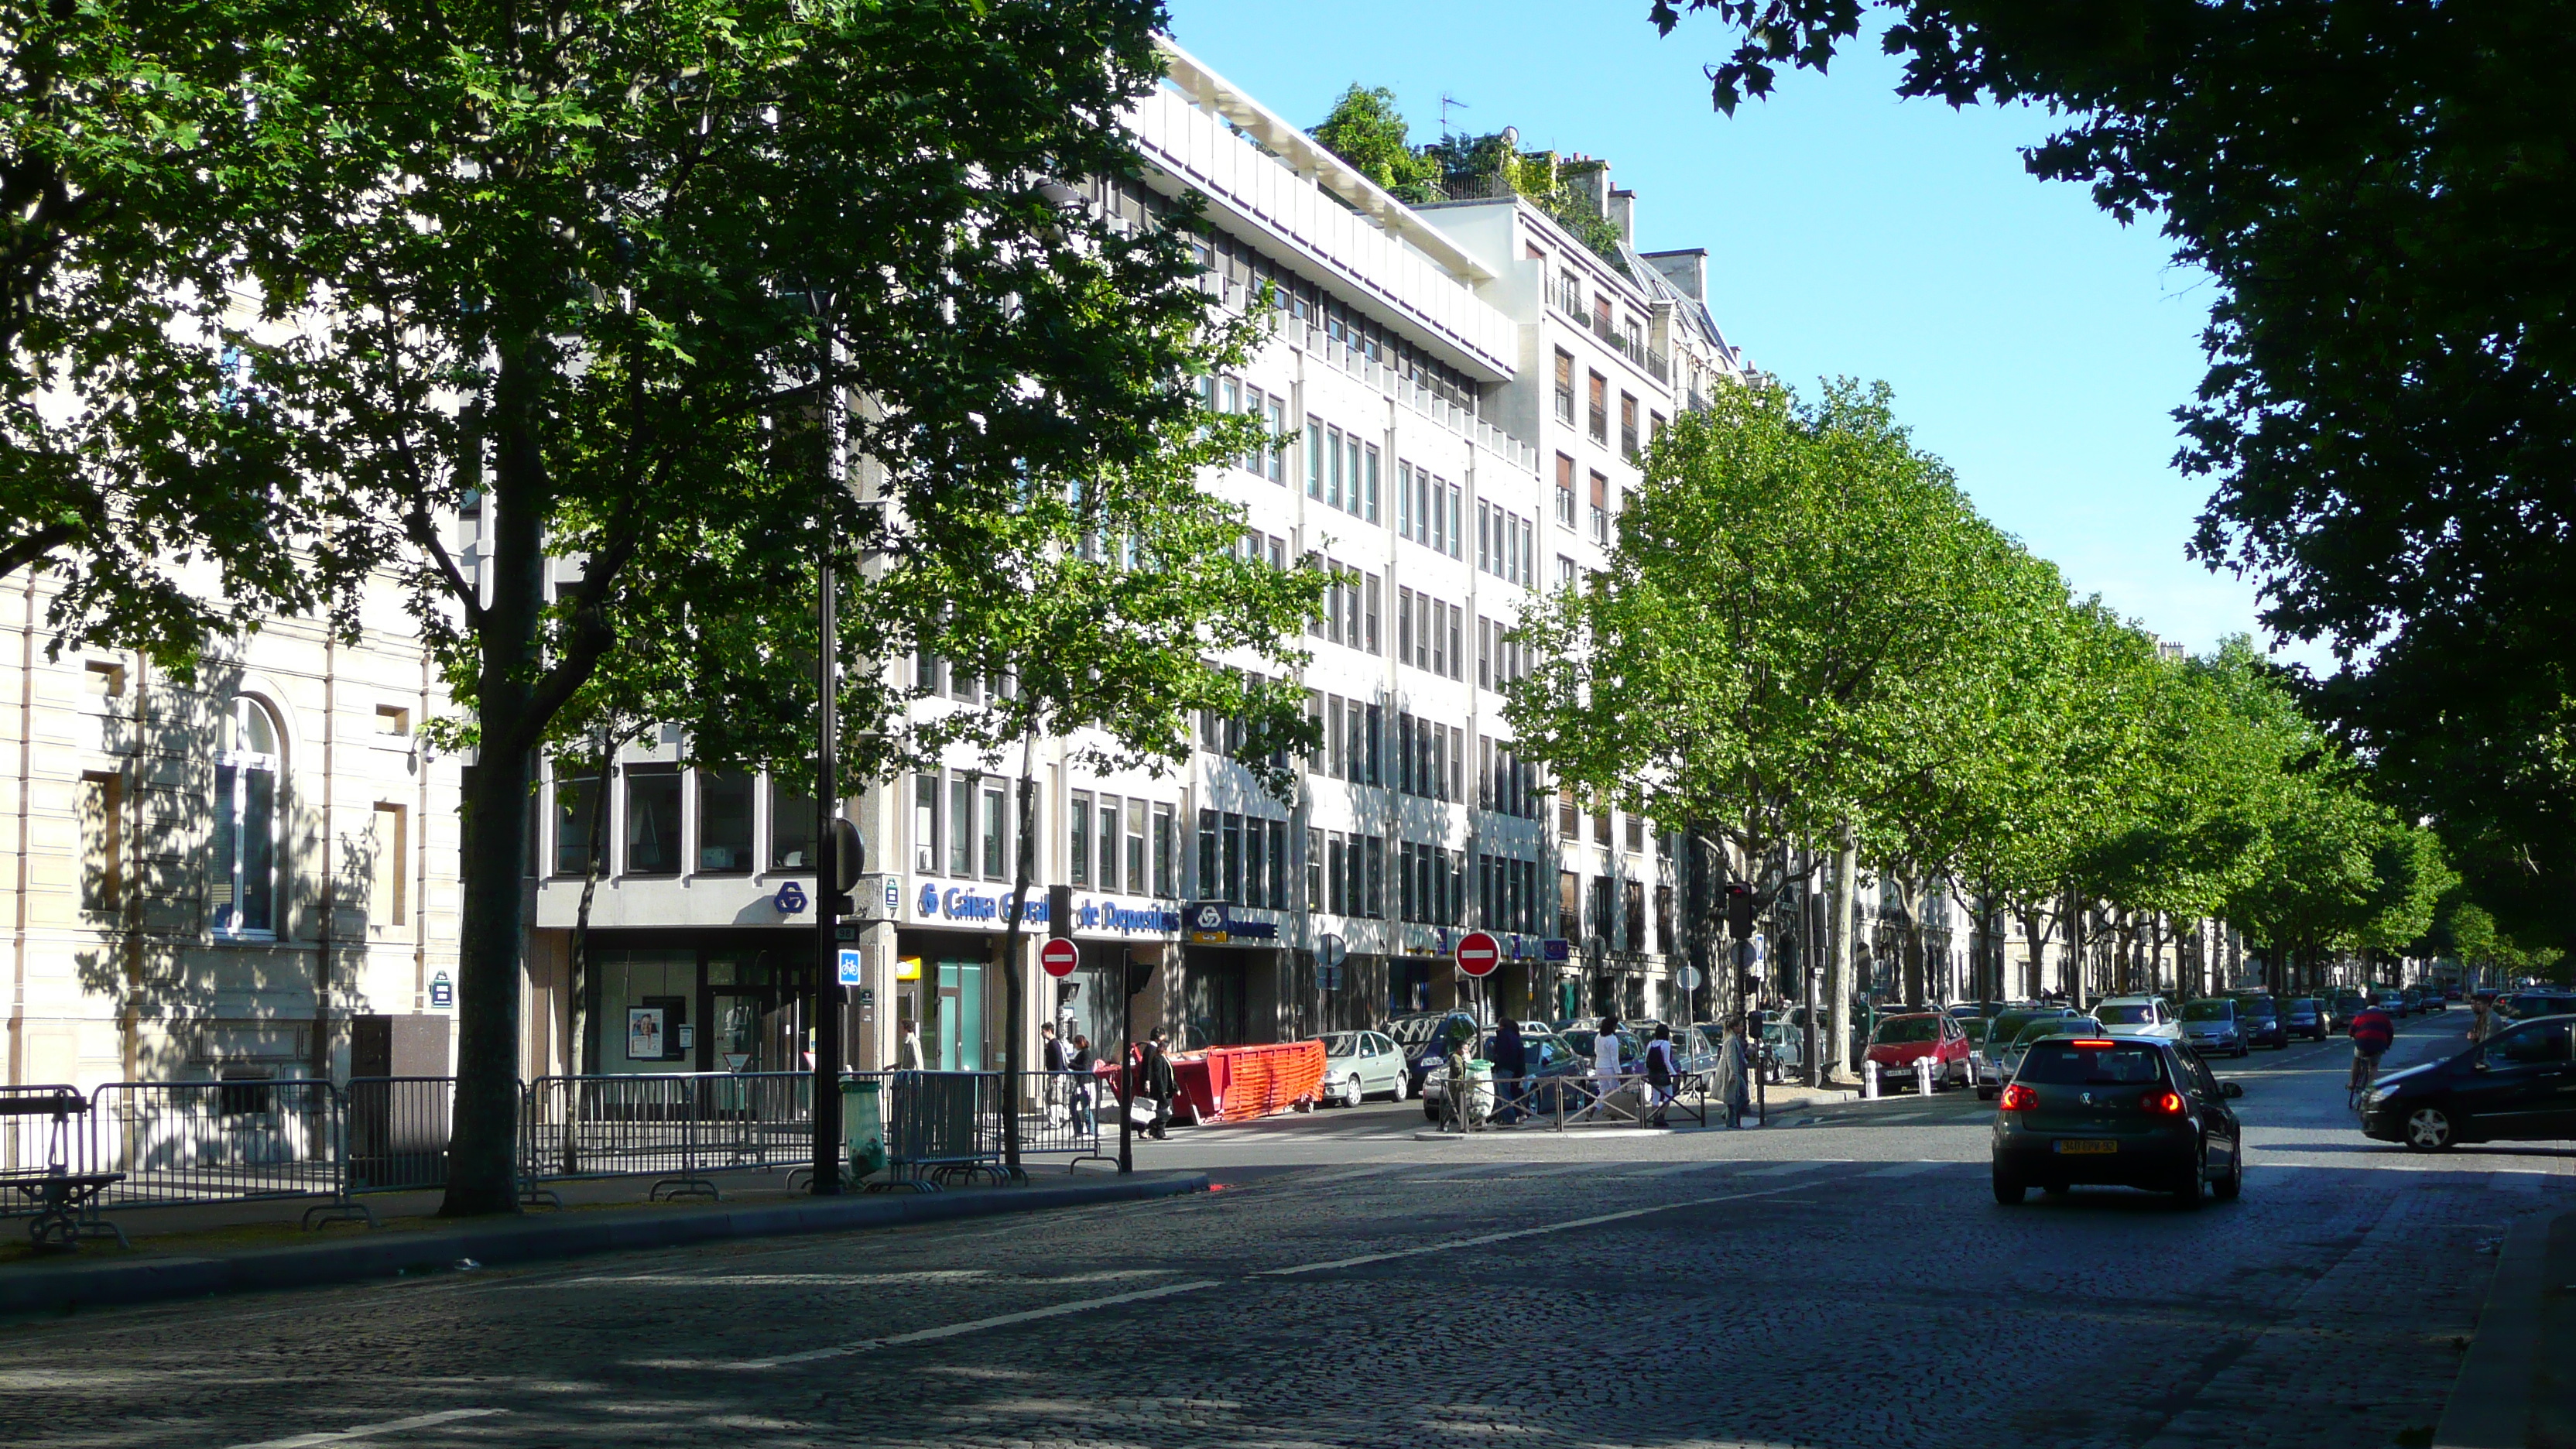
point(1903, 1117)
point(369, 1431)
point(1783, 1169)
point(1484, 1239)
point(955, 1330)
point(1904, 1169)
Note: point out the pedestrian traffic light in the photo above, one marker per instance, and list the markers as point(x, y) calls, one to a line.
point(1739, 909)
point(1140, 974)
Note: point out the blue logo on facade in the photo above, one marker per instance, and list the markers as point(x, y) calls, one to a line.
point(791, 899)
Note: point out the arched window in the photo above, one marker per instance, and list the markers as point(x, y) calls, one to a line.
point(244, 884)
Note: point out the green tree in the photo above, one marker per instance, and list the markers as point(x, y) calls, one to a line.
point(139, 148)
point(632, 284)
point(2377, 192)
point(1367, 130)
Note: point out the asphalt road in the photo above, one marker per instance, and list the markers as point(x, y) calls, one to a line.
point(1841, 1277)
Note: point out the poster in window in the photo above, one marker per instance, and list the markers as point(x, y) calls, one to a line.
point(646, 1030)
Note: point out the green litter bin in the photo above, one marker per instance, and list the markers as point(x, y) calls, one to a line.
point(1477, 1100)
point(863, 1127)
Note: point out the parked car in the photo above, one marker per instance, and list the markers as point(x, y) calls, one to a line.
point(2262, 1018)
point(2130, 1111)
point(1784, 1049)
point(2413, 996)
point(1550, 1055)
point(2039, 1031)
point(2525, 1005)
point(2308, 1017)
point(1900, 1040)
point(2212, 1027)
point(2138, 1016)
point(1360, 1064)
point(1425, 1041)
point(1984, 1071)
point(2392, 1002)
point(2518, 1085)
point(2347, 1005)
point(2430, 998)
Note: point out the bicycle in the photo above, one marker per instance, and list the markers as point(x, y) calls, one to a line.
point(2365, 1073)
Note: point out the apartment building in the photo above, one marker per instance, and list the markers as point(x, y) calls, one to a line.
point(1461, 392)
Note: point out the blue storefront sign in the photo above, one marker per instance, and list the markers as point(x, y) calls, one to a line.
point(1092, 915)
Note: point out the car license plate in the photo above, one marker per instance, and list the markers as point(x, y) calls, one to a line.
point(2086, 1146)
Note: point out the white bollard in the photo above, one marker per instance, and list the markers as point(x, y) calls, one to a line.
point(1923, 1076)
point(1869, 1081)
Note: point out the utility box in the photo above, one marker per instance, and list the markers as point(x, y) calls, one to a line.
point(399, 1046)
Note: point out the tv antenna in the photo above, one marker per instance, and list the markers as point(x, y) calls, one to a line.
point(1446, 101)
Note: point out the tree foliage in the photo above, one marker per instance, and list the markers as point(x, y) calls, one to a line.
point(2377, 190)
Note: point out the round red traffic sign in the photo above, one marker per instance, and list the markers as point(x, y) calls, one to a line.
point(1479, 953)
point(1059, 957)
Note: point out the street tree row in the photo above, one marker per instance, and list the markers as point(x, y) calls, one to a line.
point(1806, 648)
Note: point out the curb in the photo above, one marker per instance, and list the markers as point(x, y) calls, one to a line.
point(2490, 1403)
point(526, 1240)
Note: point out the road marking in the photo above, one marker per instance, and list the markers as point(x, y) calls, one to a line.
point(1515, 1233)
point(1904, 1169)
point(952, 1330)
point(369, 1431)
point(1678, 1168)
point(1783, 1169)
point(1904, 1116)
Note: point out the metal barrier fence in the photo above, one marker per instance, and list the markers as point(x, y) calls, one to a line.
point(1571, 1100)
point(197, 1142)
point(942, 1127)
point(677, 1127)
point(1067, 1112)
point(43, 1125)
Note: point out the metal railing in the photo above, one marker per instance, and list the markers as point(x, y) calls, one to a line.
point(675, 1126)
point(1570, 1100)
point(198, 1142)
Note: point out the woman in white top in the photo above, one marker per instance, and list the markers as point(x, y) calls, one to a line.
point(1605, 1062)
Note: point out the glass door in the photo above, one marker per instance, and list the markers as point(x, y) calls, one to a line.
point(734, 1025)
point(960, 1025)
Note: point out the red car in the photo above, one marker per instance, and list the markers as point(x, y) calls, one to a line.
point(1901, 1040)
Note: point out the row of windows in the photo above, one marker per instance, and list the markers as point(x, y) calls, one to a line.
point(1349, 615)
point(653, 840)
point(1429, 633)
point(1350, 731)
point(1243, 859)
point(1507, 894)
point(1429, 509)
point(1431, 885)
point(1506, 545)
point(1131, 841)
point(1268, 460)
point(1239, 271)
point(1505, 783)
point(1430, 759)
point(1346, 872)
point(1501, 657)
point(1341, 470)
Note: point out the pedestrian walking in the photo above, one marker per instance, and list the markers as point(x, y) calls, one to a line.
point(1079, 1062)
point(1733, 1085)
point(1605, 1064)
point(1661, 1071)
point(2481, 1018)
point(907, 1052)
point(1055, 1088)
point(1156, 1083)
point(1511, 1063)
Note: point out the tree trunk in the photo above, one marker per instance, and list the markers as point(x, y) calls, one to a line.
point(2072, 914)
point(1838, 957)
point(1916, 896)
point(1015, 1006)
point(482, 1154)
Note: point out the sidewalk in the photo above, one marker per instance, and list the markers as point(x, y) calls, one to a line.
point(247, 1247)
point(2516, 1389)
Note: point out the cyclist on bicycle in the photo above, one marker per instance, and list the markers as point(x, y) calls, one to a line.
point(2372, 1031)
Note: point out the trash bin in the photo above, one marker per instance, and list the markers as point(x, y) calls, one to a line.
point(863, 1127)
point(1476, 1103)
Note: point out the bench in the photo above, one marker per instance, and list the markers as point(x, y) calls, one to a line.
point(63, 1201)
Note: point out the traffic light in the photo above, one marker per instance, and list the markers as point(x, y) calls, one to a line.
point(1060, 912)
point(1140, 974)
point(849, 862)
point(1739, 909)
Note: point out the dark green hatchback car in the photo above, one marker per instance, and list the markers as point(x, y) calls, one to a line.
point(2119, 1110)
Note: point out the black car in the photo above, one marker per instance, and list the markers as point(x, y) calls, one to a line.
point(2525, 1005)
point(2433, 1000)
point(2121, 1110)
point(2261, 1016)
point(2517, 1085)
point(2308, 1017)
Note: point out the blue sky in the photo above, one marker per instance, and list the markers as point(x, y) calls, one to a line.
point(2032, 341)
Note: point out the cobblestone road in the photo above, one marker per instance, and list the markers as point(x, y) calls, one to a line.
point(1846, 1282)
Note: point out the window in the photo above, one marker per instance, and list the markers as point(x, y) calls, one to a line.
point(1565, 387)
point(1599, 416)
point(1628, 426)
point(1636, 832)
point(1564, 491)
point(652, 820)
point(1107, 860)
point(1135, 846)
point(1564, 572)
point(1276, 418)
point(576, 796)
point(961, 825)
point(1315, 870)
point(925, 824)
point(996, 830)
point(103, 679)
point(1367, 506)
point(1256, 862)
point(791, 824)
point(1457, 520)
point(392, 721)
point(1078, 865)
point(1600, 509)
point(1314, 458)
point(1633, 901)
point(1654, 428)
point(724, 822)
point(388, 869)
point(244, 887)
point(1167, 853)
point(102, 837)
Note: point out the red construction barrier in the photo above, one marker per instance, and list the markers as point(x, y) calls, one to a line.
point(1237, 1084)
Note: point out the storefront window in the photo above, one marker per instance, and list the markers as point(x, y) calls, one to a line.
point(724, 822)
point(652, 820)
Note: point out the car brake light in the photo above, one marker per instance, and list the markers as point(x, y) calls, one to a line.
point(2087, 1043)
point(2162, 1104)
point(2018, 1098)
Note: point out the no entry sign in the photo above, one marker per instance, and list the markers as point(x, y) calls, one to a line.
point(1059, 957)
point(1479, 953)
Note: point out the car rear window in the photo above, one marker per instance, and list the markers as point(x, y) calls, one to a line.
point(2209, 1011)
point(2122, 1015)
point(1909, 1029)
point(2062, 1026)
point(2304, 1004)
point(2065, 1064)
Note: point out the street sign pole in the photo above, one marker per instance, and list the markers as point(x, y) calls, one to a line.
point(828, 994)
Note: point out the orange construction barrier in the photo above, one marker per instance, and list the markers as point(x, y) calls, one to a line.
point(1238, 1084)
